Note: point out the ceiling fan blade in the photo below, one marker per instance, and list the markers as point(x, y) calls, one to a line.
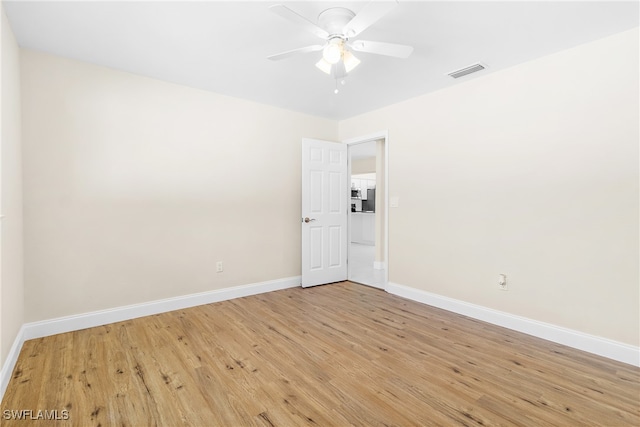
point(369, 15)
point(292, 52)
point(290, 15)
point(381, 48)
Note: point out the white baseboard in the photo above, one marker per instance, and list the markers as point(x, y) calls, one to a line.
point(590, 343)
point(10, 361)
point(104, 317)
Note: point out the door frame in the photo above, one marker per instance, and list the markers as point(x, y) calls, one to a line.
point(380, 135)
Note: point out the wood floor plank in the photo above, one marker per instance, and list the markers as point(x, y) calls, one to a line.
point(340, 354)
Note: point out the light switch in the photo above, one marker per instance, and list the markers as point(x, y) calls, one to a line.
point(394, 202)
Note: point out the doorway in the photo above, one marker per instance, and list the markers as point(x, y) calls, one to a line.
point(368, 225)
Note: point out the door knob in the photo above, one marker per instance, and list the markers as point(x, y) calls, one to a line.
point(308, 220)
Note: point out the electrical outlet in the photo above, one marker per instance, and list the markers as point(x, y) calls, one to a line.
point(219, 268)
point(502, 282)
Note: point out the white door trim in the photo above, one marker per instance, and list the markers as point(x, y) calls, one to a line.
point(384, 135)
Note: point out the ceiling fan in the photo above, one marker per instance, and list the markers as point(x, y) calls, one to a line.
point(338, 27)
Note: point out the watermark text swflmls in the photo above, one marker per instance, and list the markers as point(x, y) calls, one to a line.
point(34, 415)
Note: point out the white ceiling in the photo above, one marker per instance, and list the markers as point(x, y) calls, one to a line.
point(222, 46)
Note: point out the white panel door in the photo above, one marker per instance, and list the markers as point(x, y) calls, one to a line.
point(324, 212)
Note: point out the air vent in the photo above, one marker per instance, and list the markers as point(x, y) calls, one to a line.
point(468, 70)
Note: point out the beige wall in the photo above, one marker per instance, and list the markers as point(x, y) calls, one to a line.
point(366, 165)
point(11, 279)
point(531, 171)
point(134, 188)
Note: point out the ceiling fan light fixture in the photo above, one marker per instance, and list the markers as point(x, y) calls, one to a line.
point(338, 70)
point(332, 52)
point(324, 66)
point(350, 61)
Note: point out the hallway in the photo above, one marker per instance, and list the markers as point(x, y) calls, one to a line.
point(361, 258)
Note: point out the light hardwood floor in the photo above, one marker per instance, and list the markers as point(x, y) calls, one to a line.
point(340, 354)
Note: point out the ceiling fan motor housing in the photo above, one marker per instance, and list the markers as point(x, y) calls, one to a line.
point(335, 19)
